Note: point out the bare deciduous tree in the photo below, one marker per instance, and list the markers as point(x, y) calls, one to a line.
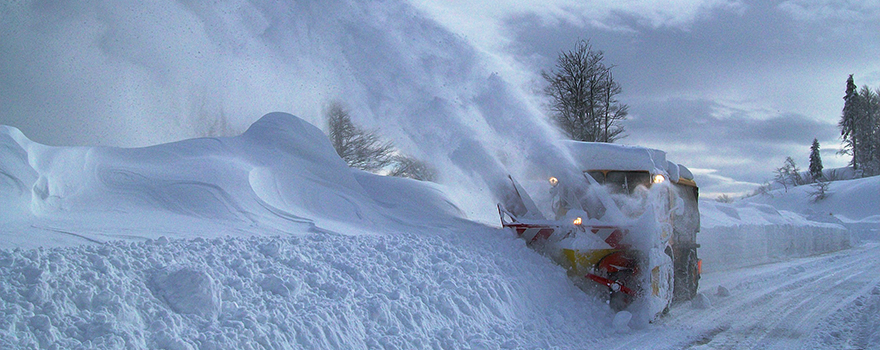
point(413, 169)
point(789, 174)
point(583, 94)
point(724, 198)
point(360, 149)
point(820, 190)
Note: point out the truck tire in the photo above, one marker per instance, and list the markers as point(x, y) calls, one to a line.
point(693, 276)
point(687, 274)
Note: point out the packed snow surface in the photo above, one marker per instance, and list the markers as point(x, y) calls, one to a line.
point(267, 240)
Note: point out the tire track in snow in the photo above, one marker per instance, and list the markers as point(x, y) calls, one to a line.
point(771, 306)
point(782, 316)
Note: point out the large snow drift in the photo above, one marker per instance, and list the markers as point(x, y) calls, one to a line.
point(161, 71)
point(280, 176)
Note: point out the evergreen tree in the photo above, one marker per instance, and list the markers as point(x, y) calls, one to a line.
point(847, 122)
point(815, 161)
point(865, 123)
point(867, 128)
point(860, 128)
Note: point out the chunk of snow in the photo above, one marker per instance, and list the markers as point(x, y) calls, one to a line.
point(620, 323)
point(188, 290)
point(701, 301)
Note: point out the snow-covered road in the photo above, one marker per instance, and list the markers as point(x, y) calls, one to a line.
point(828, 301)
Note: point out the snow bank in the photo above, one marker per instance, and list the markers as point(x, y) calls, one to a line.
point(745, 234)
point(319, 291)
point(853, 203)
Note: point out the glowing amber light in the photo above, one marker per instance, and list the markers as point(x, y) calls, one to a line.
point(553, 181)
point(659, 178)
point(578, 221)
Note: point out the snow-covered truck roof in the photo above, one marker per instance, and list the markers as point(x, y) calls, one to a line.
point(607, 156)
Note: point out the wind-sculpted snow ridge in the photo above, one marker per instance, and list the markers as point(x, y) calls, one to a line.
point(321, 291)
point(280, 176)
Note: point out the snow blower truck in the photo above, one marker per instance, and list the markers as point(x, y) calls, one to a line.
point(632, 240)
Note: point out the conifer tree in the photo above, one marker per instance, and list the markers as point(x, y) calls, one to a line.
point(815, 161)
point(848, 123)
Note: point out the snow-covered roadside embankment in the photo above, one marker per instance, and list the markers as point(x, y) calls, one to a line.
point(745, 234)
point(319, 291)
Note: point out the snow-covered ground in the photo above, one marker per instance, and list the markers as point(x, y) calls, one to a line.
point(852, 203)
point(267, 240)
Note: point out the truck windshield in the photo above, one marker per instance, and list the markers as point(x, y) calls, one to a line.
point(621, 181)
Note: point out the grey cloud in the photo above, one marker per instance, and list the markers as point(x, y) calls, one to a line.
point(737, 90)
point(848, 11)
point(737, 145)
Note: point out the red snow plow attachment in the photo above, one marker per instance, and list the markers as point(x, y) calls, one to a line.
point(614, 266)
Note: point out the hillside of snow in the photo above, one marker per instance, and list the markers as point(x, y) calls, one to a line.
point(854, 203)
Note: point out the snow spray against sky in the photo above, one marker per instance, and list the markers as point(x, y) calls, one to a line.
point(94, 73)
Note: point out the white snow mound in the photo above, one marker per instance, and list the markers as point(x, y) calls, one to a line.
point(281, 176)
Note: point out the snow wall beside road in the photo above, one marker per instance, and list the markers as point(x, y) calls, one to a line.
point(746, 234)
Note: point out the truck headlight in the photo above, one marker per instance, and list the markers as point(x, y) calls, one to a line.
point(553, 181)
point(658, 178)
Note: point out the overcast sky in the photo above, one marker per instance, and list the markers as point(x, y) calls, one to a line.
point(728, 88)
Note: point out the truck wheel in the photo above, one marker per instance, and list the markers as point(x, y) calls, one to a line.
point(693, 276)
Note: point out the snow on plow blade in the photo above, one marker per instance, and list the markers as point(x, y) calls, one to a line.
point(599, 258)
point(614, 267)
